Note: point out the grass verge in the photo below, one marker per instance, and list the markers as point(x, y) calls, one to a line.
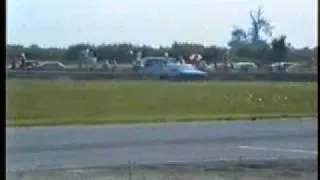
point(36, 102)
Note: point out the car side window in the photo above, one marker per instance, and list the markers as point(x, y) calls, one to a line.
point(174, 70)
point(160, 63)
point(148, 63)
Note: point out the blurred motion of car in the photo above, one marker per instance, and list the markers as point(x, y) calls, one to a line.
point(182, 71)
point(52, 66)
point(168, 68)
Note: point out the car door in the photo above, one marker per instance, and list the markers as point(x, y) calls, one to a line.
point(154, 67)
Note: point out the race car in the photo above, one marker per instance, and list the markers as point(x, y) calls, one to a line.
point(169, 68)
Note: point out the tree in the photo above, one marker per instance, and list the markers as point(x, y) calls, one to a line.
point(73, 52)
point(315, 54)
point(259, 24)
point(262, 53)
point(238, 38)
point(34, 46)
point(185, 49)
point(212, 54)
point(250, 45)
point(279, 49)
point(315, 59)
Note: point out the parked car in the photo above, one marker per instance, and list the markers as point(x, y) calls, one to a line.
point(28, 65)
point(280, 66)
point(245, 67)
point(301, 68)
point(52, 66)
point(220, 67)
point(31, 64)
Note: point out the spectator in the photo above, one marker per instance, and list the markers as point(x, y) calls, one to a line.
point(203, 65)
point(182, 61)
point(23, 60)
point(94, 62)
point(114, 66)
point(13, 63)
point(139, 55)
point(135, 65)
point(106, 65)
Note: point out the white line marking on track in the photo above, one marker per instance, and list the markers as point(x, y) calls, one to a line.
point(278, 149)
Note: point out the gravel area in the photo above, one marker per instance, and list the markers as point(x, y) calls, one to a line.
point(284, 170)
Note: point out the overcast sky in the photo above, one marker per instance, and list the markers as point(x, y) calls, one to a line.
point(61, 23)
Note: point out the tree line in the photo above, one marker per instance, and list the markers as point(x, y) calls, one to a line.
point(245, 45)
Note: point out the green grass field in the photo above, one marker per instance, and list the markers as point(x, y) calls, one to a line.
point(36, 102)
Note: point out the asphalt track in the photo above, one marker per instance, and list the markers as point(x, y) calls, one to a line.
point(45, 148)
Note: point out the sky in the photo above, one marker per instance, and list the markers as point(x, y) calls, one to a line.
point(60, 23)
